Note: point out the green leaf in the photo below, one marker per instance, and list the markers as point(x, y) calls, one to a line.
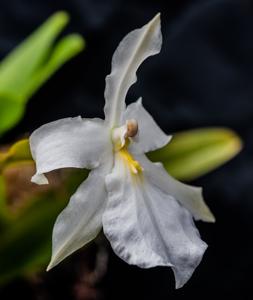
point(194, 153)
point(66, 48)
point(28, 66)
point(17, 153)
point(23, 61)
point(11, 112)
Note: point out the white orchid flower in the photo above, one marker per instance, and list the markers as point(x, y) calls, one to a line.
point(146, 215)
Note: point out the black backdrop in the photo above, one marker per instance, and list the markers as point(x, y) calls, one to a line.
point(203, 77)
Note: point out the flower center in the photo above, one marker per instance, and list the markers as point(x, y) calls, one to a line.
point(121, 138)
point(133, 164)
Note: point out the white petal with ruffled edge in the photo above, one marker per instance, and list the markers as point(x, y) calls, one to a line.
point(189, 196)
point(69, 143)
point(147, 227)
point(81, 220)
point(150, 136)
point(131, 52)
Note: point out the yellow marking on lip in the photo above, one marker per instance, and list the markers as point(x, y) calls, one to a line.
point(133, 165)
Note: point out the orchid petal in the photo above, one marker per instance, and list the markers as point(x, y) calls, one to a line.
point(147, 227)
point(189, 196)
point(131, 52)
point(68, 143)
point(81, 220)
point(150, 136)
point(121, 221)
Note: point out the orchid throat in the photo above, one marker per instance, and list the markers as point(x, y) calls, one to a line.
point(122, 138)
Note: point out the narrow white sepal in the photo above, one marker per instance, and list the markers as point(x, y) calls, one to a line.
point(81, 220)
point(189, 196)
point(131, 52)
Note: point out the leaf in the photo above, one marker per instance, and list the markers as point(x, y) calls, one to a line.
point(15, 156)
point(28, 56)
point(18, 152)
point(194, 153)
point(10, 112)
point(66, 48)
point(28, 66)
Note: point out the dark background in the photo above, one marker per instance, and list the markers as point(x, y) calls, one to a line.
point(203, 77)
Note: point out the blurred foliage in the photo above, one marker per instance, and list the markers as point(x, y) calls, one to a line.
point(28, 211)
point(25, 244)
point(19, 152)
point(28, 66)
point(194, 153)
